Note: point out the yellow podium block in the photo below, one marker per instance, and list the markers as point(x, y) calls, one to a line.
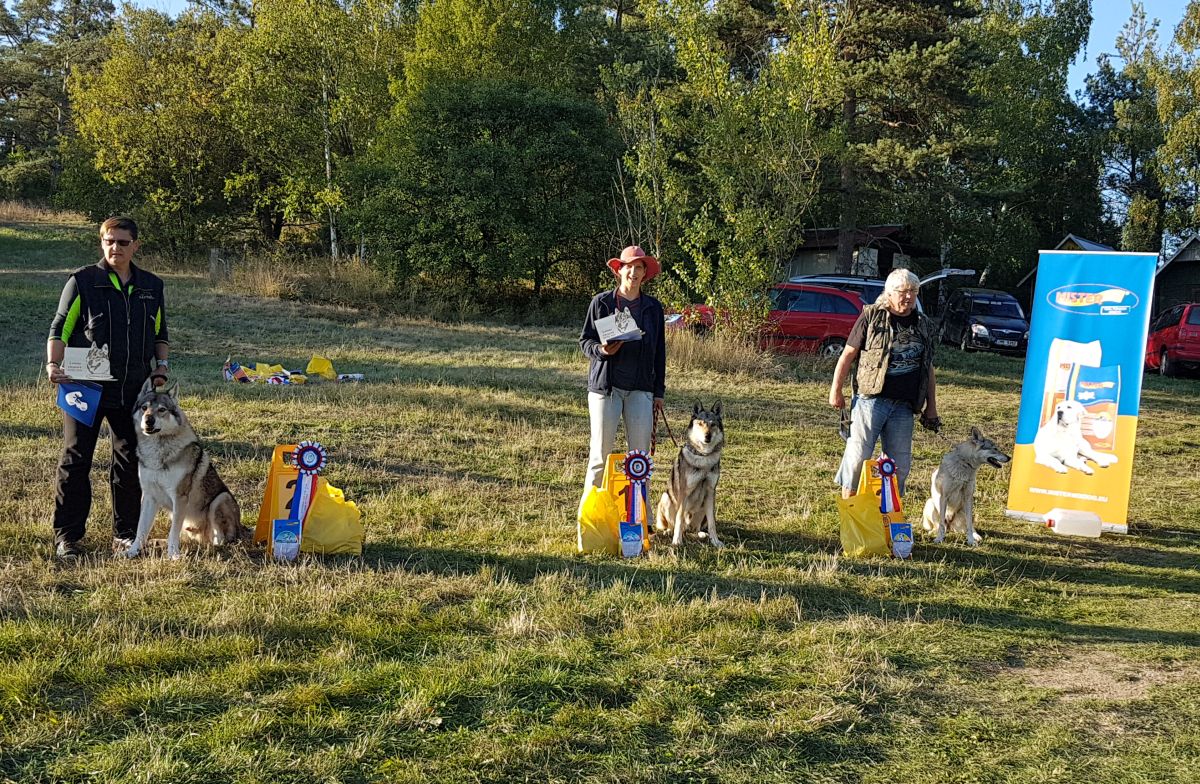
point(333, 525)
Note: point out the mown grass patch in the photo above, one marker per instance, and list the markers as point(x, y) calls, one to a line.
point(471, 644)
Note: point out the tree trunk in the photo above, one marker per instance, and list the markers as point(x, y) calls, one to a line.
point(333, 236)
point(848, 192)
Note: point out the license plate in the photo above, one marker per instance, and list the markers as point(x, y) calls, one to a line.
point(1006, 342)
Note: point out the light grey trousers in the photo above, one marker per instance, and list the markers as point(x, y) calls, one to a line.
point(605, 413)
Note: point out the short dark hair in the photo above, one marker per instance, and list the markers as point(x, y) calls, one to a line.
point(120, 223)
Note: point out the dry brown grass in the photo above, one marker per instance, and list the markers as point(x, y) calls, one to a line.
point(23, 212)
point(349, 282)
point(721, 352)
point(267, 278)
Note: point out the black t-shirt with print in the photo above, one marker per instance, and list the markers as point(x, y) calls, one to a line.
point(903, 379)
point(624, 367)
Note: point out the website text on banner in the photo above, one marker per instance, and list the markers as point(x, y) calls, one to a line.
point(1083, 384)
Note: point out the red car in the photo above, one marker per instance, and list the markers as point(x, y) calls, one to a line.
point(804, 319)
point(1174, 341)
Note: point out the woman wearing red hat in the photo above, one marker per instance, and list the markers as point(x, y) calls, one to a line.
point(626, 379)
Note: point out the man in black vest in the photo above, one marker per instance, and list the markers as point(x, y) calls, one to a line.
point(891, 347)
point(113, 307)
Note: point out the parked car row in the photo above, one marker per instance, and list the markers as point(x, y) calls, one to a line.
point(984, 319)
point(809, 313)
point(814, 314)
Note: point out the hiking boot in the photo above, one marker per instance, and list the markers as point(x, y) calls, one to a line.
point(70, 550)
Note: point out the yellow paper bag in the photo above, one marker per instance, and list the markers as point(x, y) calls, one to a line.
point(320, 366)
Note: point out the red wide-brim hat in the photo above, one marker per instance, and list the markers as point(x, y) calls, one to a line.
point(635, 253)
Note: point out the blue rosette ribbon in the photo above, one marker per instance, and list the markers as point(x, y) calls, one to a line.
point(310, 458)
point(889, 495)
point(638, 468)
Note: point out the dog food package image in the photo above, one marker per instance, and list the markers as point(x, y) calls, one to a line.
point(902, 539)
point(1063, 355)
point(1098, 390)
point(285, 539)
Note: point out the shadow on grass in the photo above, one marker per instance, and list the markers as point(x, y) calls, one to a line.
point(821, 601)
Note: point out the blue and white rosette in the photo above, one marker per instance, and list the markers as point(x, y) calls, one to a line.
point(889, 497)
point(309, 458)
point(638, 468)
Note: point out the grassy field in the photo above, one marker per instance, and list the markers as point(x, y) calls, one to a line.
point(470, 644)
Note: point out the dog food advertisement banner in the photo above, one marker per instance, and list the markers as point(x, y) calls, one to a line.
point(1083, 384)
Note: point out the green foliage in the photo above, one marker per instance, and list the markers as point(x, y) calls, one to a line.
point(1026, 169)
point(539, 42)
point(42, 42)
point(311, 78)
point(725, 148)
point(1143, 226)
point(899, 103)
point(1177, 79)
point(488, 181)
point(1123, 105)
point(153, 118)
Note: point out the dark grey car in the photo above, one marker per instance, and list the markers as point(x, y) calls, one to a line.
point(985, 320)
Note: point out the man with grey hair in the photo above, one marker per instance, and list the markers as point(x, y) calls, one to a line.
point(891, 349)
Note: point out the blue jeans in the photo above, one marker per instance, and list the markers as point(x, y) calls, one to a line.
point(606, 412)
point(874, 419)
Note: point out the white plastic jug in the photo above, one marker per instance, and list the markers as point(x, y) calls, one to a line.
point(1072, 522)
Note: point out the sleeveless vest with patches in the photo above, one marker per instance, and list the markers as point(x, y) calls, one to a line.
point(877, 351)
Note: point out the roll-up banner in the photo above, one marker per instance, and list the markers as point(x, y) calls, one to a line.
point(1083, 384)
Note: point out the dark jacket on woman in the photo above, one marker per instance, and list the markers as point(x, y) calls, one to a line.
point(652, 365)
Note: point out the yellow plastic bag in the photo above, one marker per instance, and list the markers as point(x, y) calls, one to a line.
point(864, 530)
point(320, 366)
point(333, 525)
point(599, 519)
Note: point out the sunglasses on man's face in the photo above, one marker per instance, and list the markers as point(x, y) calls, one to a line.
point(110, 242)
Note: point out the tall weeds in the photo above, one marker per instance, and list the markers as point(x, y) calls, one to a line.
point(721, 351)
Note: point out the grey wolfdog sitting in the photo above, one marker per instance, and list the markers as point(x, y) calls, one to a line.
point(177, 474)
point(952, 499)
point(691, 496)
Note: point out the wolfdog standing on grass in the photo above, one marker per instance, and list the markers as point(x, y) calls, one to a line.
point(177, 474)
point(952, 499)
point(691, 495)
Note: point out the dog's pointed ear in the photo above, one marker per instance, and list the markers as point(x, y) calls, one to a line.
point(173, 391)
point(716, 408)
point(975, 434)
point(146, 387)
point(697, 408)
